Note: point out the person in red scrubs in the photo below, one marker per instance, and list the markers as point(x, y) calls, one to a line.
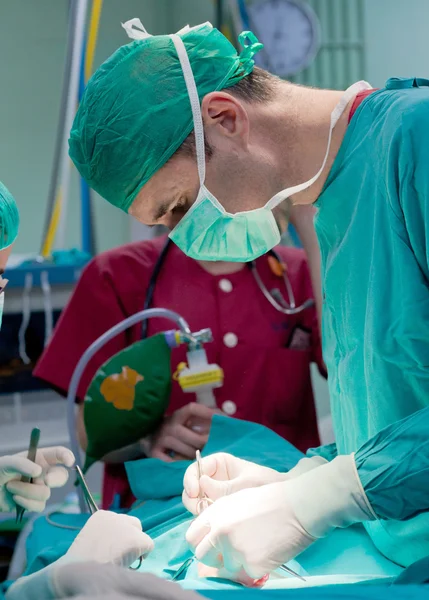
point(265, 354)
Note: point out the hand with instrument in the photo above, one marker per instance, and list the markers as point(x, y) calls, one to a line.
point(107, 538)
point(225, 474)
point(47, 471)
point(262, 528)
point(182, 433)
point(112, 538)
point(240, 575)
point(132, 541)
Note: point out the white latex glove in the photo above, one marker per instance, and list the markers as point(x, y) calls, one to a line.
point(92, 580)
point(47, 472)
point(109, 538)
point(260, 529)
point(224, 474)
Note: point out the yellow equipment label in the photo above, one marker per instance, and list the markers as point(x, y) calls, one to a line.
point(203, 378)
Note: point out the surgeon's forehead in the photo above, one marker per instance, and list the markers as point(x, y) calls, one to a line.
point(175, 181)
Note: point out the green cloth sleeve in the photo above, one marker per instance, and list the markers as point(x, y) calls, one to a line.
point(413, 181)
point(393, 467)
point(328, 452)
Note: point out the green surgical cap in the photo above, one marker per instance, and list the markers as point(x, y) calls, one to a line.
point(9, 218)
point(135, 112)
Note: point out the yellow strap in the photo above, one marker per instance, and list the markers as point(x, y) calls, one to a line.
point(94, 23)
point(53, 225)
point(226, 30)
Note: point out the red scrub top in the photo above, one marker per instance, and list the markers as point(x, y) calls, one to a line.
point(358, 100)
point(265, 354)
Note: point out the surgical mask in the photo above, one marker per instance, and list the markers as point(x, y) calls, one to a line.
point(208, 231)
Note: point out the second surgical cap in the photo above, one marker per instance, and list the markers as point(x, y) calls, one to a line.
point(135, 112)
point(9, 218)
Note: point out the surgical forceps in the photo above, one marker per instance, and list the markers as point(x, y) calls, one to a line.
point(92, 505)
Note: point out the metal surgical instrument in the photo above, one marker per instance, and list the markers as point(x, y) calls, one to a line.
point(32, 451)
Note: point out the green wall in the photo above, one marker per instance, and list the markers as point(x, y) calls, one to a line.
point(190, 12)
point(32, 47)
point(397, 40)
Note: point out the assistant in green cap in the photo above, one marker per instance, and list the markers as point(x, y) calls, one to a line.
point(9, 218)
point(135, 112)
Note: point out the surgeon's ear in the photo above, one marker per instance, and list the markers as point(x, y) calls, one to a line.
point(225, 119)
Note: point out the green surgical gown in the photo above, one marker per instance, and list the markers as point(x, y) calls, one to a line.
point(373, 226)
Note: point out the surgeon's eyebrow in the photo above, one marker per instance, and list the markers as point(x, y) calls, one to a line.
point(1, 272)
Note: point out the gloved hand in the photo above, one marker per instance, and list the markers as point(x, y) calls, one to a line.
point(47, 473)
point(92, 580)
point(109, 538)
point(224, 474)
point(260, 529)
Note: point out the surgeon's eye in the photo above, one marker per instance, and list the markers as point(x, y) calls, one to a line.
point(180, 208)
point(177, 213)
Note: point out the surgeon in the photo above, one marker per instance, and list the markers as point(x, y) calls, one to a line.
point(184, 130)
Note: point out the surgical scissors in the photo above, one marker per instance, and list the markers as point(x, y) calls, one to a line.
point(92, 505)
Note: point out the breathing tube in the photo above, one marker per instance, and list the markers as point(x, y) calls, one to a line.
point(150, 313)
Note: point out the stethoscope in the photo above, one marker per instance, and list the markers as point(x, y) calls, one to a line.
point(274, 296)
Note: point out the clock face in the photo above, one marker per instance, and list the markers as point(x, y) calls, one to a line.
point(289, 30)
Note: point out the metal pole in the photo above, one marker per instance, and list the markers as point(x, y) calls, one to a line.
point(78, 37)
point(53, 185)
